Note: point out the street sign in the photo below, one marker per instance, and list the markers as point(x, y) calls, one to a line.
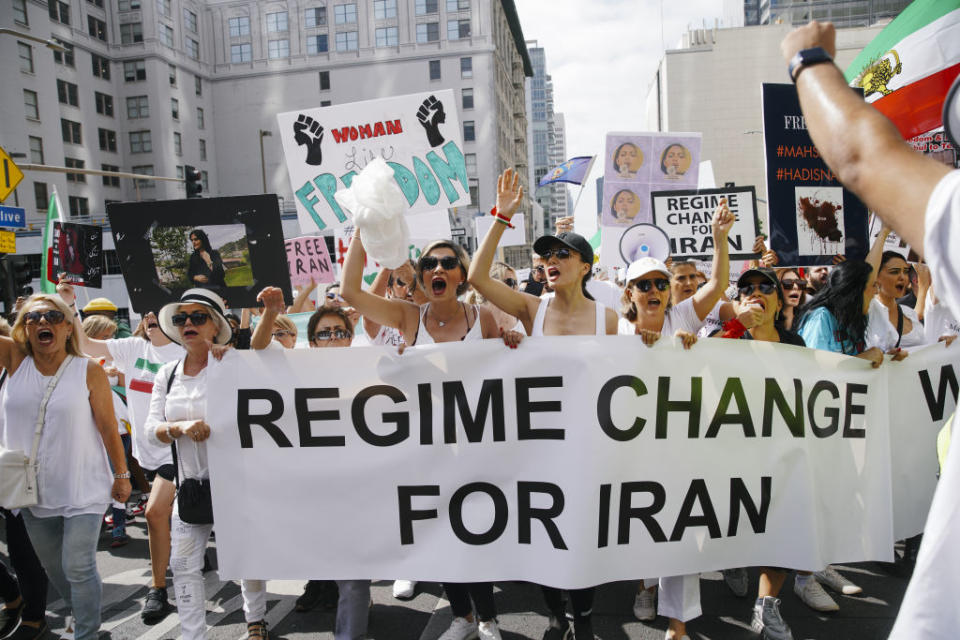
point(10, 175)
point(458, 232)
point(13, 217)
point(8, 242)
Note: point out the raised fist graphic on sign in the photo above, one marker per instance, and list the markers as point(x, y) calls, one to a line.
point(431, 115)
point(307, 131)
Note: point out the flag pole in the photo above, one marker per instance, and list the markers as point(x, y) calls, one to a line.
point(586, 175)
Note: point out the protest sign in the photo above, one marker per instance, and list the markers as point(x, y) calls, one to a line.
point(233, 246)
point(511, 237)
point(585, 460)
point(78, 252)
point(893, 242)
point(812, 216)
point(309, 260)
point(418, 135)
point(687, 218)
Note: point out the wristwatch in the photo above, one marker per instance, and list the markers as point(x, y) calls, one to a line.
point(122, 476)
point(806, 58)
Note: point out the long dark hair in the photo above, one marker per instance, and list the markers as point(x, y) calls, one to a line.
point(204, 240)
point(843, 297)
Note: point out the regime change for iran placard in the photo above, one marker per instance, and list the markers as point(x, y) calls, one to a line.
point(418, 135)
point(570, 461)
point(687, 219)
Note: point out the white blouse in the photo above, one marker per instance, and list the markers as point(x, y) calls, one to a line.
point(187, 400)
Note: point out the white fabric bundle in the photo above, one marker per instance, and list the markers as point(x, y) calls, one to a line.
point(378, 205)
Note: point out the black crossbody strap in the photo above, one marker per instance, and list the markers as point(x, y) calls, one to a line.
point(899, 326)
point(173, 442)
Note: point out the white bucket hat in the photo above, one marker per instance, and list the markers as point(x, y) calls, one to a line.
point(196, 296)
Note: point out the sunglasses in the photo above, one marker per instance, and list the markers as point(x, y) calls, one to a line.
point(510, 282)
point(561, 252)
point(643, 286)
point(430, 263)
point(197, 318)
point(336, 334)
point(335, 296)
point(282, 334)
point(400, 283)
point(766, 288)
point(793, 283)
point(52, 316)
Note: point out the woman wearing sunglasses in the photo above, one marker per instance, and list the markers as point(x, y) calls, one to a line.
point(504, 273)
point(178, 409)
point(79, 433)
point(794, 297)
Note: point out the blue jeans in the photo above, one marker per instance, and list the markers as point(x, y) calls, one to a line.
point(67, 548)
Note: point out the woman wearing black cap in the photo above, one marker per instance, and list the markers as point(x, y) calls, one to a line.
point(568, 260)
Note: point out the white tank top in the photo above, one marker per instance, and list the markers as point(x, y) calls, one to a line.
point(600, 329)
point(74, 474)
point(423, 336)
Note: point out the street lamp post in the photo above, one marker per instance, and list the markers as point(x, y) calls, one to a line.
point(50, 43)
point(263, 166)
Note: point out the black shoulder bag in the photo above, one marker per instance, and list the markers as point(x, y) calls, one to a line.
point(899, 326)
point(194, 503)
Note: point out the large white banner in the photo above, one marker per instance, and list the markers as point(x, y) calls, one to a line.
point(571, 461)
point(418, 135)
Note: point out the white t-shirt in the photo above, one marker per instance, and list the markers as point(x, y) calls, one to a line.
point(712, 322)
point(187, 400)
point(938, 321)
point(679, 316)
point(139, 361)
point(606, 293)
point(882, 333)
point(929, 608)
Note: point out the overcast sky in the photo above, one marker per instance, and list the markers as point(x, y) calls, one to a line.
point(602, 56)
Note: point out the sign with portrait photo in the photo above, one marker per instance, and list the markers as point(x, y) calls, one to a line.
point(687, 219)
point(418, 135)
point(78, 252)
point(233, 246)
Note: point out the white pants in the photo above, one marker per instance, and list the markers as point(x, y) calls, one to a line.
point(679, 597)
point(187, 544)
point(254, 600)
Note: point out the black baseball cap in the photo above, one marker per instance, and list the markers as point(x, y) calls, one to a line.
point(766, 272)
point(569, 239)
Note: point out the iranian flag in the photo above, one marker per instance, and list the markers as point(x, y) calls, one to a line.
point(48, 279)
point(906, 71)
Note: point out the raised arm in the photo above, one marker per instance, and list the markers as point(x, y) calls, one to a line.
point(378, 288)
point(399, 314)
point(91, 347)
point(522, 306)
point(874, 256)
point(303, 298)
point(707, 296)
point(272, 299)
point(859, 144)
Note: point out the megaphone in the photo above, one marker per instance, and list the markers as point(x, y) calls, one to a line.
point(644, 240)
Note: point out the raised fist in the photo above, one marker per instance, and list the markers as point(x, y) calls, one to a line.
point(307, 131)
point(431, 115)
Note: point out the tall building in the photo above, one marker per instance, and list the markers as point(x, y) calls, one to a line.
point(149, 86)
point(549, 138)
point(843, 13)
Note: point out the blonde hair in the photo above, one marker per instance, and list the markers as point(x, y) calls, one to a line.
point(19, 331)
point(95, 326)
point(4, 327)
point(284, 322)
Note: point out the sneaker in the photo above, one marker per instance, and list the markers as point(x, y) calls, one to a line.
point(10, 618)
point(257, 630)
point(488, 630)
point(330, 595)
point(68, 633)
point(557, 629)
point(119, 539)
point(108, 521)
point(139, 508)
point(581, 631)
point(460, 629)
point(645, 605)
point(312, 593)
point(832, 578)
point(737, 580)
point(26, 632)
point(155, 607)
point(404, 589)
point(767, 621)
point(813, 595)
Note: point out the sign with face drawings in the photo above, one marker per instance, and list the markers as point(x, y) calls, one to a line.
point(418, 135)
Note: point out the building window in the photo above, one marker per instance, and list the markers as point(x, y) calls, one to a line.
point(316, 44)
point(175, 108)
point(78, 206)
point(108, 140)
point(144, 170)
point(26, 57)
point(97, 28)
point(347, 41)
point(36, 150)
point(325, 103)
point(434, 69)
point(137, 107)
point(128, 5)
point(134, 70)
point(458, 5)
point(59, 11)
point(101, 66)
point(345, 13)
point(96, 3)
point(178, 143)
point(277, 22)
point(467, 95)
point(132, 32)
point(324, 81)
point(315, 17)
point(428, 32)
point(193, 49)
point(74, 163)
point(166, 34)
point(20, 12)
point(198, 85)
point(140, 142)
point(67, 93)
point(180, 171)
point(470, 159)
point(30, 104)
point(190, 20)
point(278, 48)
point(163, 8)
point(466, 68)
point(469, 133)
point(387, 36)
point(41, 196)
point(423, 7)
point(241, 52)
point(71, 131)
point(173, 75)
point(474, 191)
point(239, 26)
point(203, 149)
point(200, 118)
point(64, 57)
point(458, 29)
point(205, 181)
point(110, 181)
point(383, 9)
point(111, 263)
point(104, 103)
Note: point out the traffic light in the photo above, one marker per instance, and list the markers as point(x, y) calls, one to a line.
point(22, 275)
point(194, 180)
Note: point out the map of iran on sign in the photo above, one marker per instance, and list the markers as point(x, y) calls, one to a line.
point(418, 135)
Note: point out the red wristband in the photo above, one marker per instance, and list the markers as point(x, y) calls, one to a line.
point(505, 220)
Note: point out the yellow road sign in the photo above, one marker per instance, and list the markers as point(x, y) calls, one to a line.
point(8, 242)
point(10, 175)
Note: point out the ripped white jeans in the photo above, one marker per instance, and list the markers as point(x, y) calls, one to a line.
point(187, 545)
